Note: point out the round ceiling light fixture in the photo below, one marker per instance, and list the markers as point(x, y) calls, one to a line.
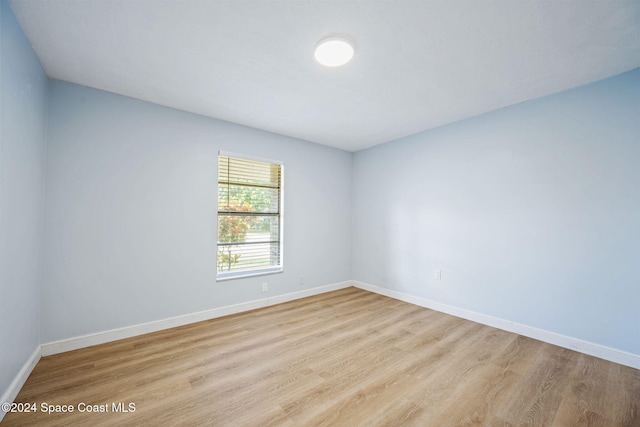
point(334, 51)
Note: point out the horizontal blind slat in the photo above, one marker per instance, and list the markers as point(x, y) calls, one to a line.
point(233, 170)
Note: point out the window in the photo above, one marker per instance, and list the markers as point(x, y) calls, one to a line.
point(249, 216)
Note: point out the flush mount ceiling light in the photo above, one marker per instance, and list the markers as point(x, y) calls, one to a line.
point(334, 51)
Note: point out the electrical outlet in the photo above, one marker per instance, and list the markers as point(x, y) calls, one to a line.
point(265, 287)
point(301, 281)
point(437, 274)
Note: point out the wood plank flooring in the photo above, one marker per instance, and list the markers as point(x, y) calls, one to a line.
point(344, 358)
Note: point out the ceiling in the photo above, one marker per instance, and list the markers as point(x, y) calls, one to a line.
point(418, 64)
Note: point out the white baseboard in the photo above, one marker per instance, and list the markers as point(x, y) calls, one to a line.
point(586, 347)
point(17, 383)
point(158, 325)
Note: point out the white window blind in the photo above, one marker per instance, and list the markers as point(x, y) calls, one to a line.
point(249, 217)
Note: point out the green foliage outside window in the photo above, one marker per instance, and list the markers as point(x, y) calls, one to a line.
point(232, 229)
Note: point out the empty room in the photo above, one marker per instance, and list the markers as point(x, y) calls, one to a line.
point(319, 213)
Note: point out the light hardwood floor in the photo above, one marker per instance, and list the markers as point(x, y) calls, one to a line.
point(345, 358)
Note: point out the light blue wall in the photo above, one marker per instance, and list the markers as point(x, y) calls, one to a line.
point(131, 209)
point(23, 92)
point(531, 212)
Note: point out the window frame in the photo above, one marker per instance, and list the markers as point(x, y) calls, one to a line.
point(224, 276)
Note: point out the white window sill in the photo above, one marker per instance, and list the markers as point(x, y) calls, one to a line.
point(243, 275)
